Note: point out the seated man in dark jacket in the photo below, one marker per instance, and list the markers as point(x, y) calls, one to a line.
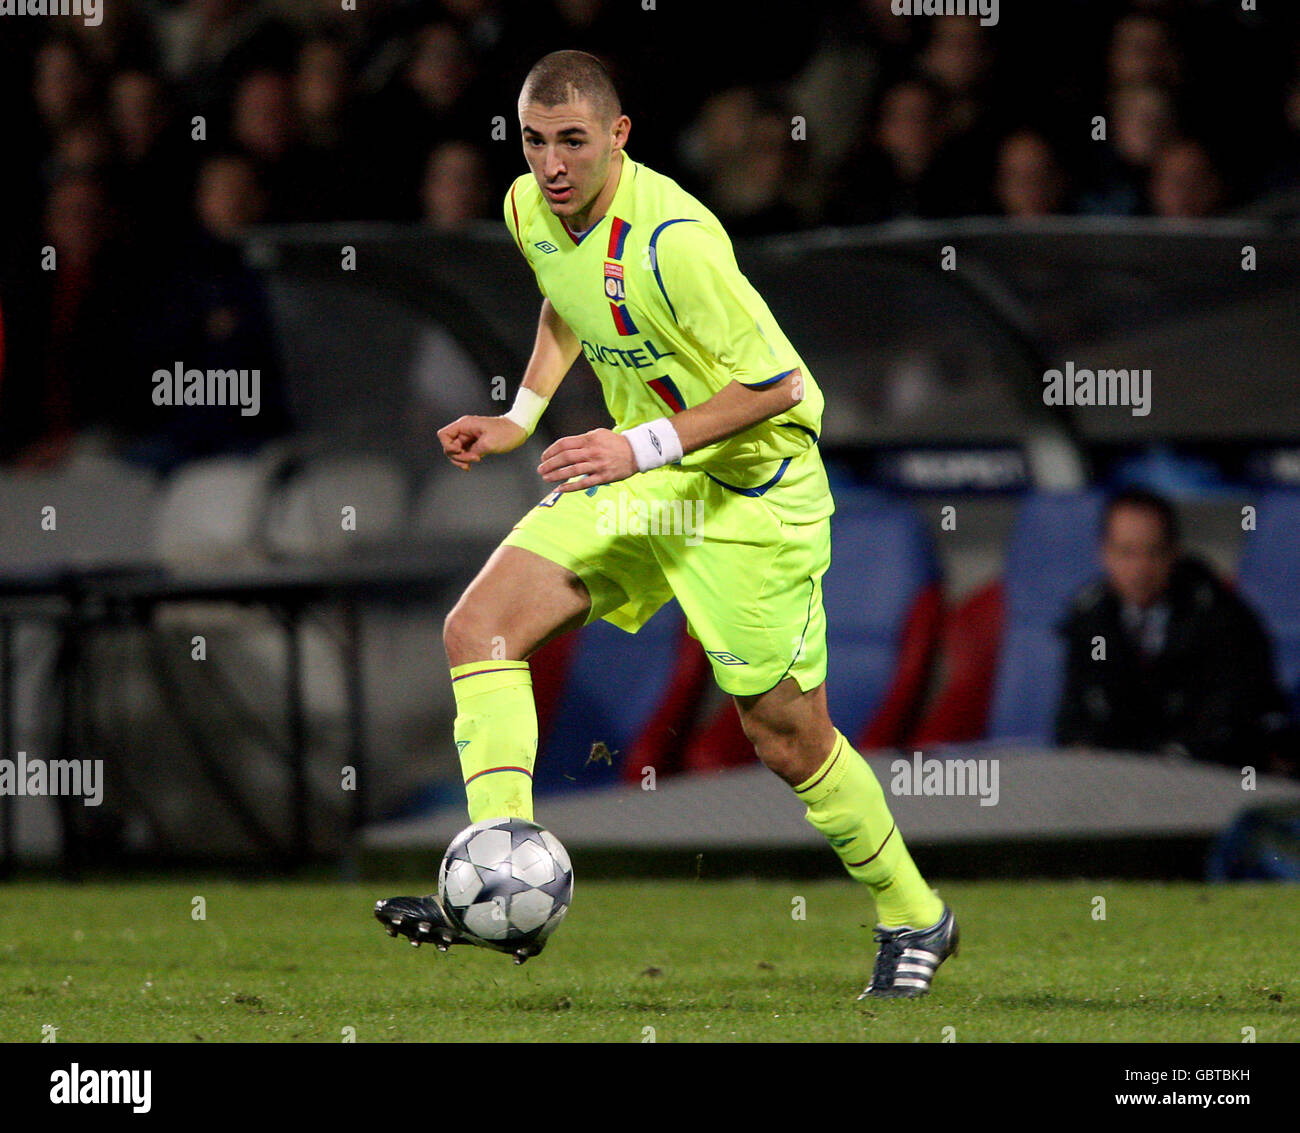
point(1162, 656)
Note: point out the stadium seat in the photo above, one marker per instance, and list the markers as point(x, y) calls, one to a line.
point(102, 514)
point(487, 501)
point(1269, 578)
point(304, 515)
point(212, 510)
point(883, 611)
point(1053, 552)
point(968, 652)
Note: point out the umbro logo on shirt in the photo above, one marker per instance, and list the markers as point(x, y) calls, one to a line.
point(546, 246)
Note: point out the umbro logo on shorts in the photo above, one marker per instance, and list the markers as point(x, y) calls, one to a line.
point(725, 658)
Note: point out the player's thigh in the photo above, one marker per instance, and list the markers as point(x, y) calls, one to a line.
point(516, 603)
point(752, 593)
point(596, 535)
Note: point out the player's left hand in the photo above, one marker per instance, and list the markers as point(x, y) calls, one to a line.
point(599, 457)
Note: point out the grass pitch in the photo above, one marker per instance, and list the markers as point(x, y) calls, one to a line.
point(675, 961)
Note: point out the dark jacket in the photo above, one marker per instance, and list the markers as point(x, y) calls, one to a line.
point(1210, 690)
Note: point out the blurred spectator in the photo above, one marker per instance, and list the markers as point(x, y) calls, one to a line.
point(902, 172)
point(263, 122)
point(959, 60)
point(210, 312)
point(1142, 121)
point(1185, 183)
point(861, 46)
point(228, 198)
point(481, 23)
point(893, 37)
point(745, 163)
point(832, 94)
point(1030, 181)
point(427, 104)
point(455, 188)
point(322, 86)
point(123, 38)
point(1283, 172)
point(152, 174)
point(62, 87)
point(1162, 656)
point(1143, 51)
point(77, 317)
point(82, 147)
point(264, 125)
point(139, 113)
point(332, 155)
point(718, 135)
point(595, 23)
point(209, 44)
point(440, 71)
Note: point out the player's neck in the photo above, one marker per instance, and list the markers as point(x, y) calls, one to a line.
point(579, 223)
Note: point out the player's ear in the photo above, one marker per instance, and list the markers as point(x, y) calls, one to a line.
point(621, 127)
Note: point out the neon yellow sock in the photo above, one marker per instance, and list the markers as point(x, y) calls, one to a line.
point(496, 736)
point(846, 803)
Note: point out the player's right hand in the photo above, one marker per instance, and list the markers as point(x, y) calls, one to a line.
point(467, 440)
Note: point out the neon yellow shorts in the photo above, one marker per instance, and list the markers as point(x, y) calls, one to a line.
point(749, 583)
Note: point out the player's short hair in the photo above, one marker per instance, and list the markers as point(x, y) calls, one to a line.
point(1142, 500)
point(566, 76)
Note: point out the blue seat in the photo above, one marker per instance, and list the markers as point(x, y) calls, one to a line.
point(1269, 579)
point(883, 562)
point(615, 681)
point(1053, 552)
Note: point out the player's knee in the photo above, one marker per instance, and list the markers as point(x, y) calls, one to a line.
point(466, 634)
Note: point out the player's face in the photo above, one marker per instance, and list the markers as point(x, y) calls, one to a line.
point(569, 150)
point(1137, 559)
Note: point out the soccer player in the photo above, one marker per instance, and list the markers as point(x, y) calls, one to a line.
point(712, 406)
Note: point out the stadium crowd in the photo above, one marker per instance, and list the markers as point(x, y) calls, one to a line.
point(141, 148)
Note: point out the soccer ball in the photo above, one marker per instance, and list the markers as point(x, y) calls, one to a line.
point(507, 881)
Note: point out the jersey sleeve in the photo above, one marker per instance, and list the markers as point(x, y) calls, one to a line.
point(714, 303)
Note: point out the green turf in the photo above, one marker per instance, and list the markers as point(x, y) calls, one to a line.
point(694, 960)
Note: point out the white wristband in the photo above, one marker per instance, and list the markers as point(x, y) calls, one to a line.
point(654, 444)
point(527, 409)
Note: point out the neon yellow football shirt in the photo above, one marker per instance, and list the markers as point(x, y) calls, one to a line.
point(667, 319)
